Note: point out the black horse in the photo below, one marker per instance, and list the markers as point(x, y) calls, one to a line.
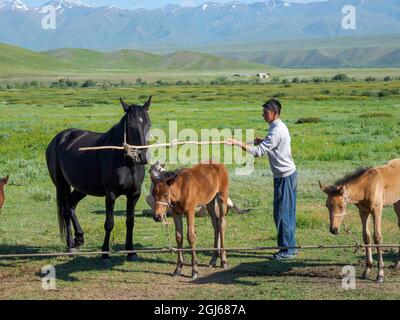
point(105, 173)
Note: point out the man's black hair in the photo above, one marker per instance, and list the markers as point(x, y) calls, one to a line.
point(273, 105)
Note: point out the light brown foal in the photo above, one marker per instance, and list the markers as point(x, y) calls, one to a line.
point(183, 192)
point(370, 190)
point(3, 182)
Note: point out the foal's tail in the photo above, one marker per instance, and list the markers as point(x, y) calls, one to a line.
point(232, 205)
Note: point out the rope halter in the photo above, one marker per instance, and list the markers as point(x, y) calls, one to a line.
point(339, 215)
point(132, 152)
point(167, 204)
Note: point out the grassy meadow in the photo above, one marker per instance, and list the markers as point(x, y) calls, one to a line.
point(358, 125)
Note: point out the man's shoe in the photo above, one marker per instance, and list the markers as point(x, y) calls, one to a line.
point(277, 253)
point(283, 255)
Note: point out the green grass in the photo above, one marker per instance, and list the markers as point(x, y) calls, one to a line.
point(326, 150)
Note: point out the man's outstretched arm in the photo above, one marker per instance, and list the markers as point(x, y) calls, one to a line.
point(262, 146)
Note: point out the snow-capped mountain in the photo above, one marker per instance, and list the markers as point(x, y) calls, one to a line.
point(12, 5)
point(210, 23)
point(67, 4)
point(61, 5)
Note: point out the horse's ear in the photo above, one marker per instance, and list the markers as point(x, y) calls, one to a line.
point(170, 180)
point(323, 187)
point(342, 190)
point(147, 104)
point(4, 180)
point(124, 105)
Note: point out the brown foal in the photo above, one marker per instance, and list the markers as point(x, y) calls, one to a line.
point(185, 190)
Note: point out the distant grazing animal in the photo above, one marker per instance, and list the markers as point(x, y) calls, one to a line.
point(3, 182)
point(183, 192)
point(156, 170)
point(103, 173)
point(370, 189)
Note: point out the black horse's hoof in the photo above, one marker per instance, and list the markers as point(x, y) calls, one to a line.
point(73, 250)
point(77, 248)
point(380, 279)
point(78, 242)
point(132, 257)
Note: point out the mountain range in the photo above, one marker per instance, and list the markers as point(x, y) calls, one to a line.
point(109, 28)
point(342, 52)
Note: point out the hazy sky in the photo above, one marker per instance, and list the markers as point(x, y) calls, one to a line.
point(134, 4)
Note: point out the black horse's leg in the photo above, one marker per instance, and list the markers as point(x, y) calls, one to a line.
point(73, 200)
point(109, 224)
point(130, 223)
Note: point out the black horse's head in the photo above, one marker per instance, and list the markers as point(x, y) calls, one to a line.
point(137, 126)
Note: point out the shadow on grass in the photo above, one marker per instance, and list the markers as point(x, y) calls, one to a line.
point(22, 249)
point(67, 266)
point(241, 273)
point(323, 270)
point(78, 264)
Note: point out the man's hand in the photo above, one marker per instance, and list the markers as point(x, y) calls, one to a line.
point(231, 142)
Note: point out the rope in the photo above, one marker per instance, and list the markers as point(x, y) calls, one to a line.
point(159, 145)
point(167, 234)
point(175, 250)
point(357, 245)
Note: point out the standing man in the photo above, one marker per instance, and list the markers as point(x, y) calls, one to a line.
point(277, 146)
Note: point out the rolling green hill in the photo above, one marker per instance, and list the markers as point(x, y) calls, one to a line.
point(14, 60)
point(83, 59)
point(194, 61)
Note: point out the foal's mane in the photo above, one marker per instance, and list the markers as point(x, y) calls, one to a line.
point(351, 176)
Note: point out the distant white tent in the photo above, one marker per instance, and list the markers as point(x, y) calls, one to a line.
point(263, 75)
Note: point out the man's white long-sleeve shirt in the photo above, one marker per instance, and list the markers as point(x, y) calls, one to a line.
point(277, 146)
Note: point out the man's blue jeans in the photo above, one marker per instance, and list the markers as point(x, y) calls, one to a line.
point(285, 193)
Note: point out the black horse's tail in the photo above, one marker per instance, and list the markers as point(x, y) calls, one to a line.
point(61, 220)
point(61, 185)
